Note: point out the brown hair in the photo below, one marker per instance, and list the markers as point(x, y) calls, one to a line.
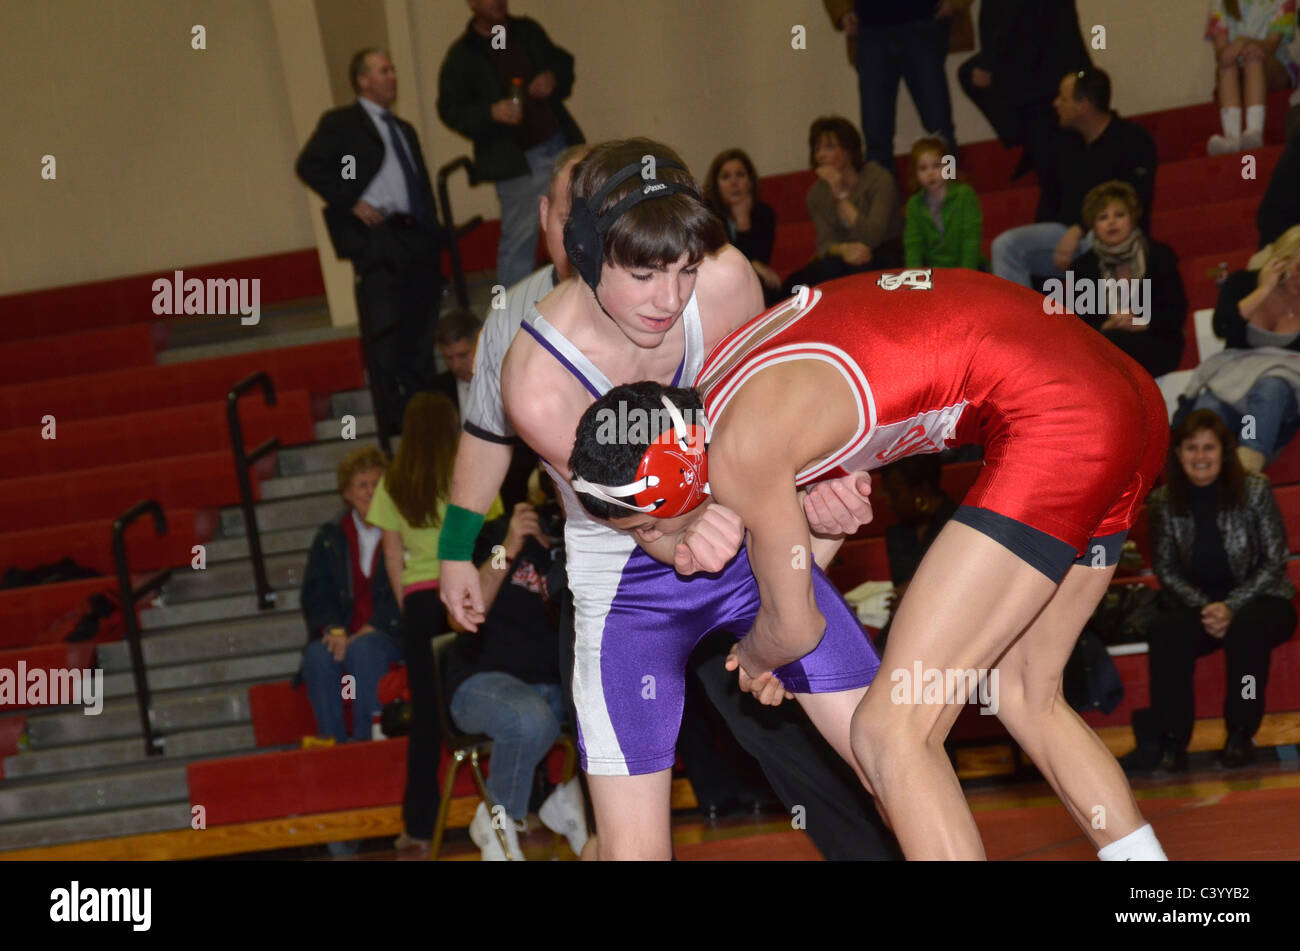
point(357, 461)
point(654, 233)
point(844, 133)
point(420, 475)
point(711, 196)
point(921, 147)
point(1232, 477)
point(1095, 202)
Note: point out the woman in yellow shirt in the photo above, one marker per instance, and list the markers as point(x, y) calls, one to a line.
point(408, 505)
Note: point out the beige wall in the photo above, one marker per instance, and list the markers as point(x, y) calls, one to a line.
point(169, 156)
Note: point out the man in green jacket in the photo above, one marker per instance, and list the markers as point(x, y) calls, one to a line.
point(502, 85)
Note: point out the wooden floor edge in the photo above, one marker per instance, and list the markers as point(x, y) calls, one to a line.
point(1277, 729)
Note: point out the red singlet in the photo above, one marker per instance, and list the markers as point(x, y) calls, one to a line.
point(1074, 431)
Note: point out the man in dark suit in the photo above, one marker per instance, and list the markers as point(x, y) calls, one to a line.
point(381, 215)
point(1026, 46)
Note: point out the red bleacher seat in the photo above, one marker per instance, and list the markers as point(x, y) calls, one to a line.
point(74, 353)
point(30, 616)
point(91, 544)
point(46, 657)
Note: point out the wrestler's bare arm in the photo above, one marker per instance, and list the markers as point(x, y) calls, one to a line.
point(728, 294)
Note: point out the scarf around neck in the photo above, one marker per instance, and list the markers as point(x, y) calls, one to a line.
point(1131, 251)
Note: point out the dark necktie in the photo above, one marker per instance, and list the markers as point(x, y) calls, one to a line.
point(414, 190)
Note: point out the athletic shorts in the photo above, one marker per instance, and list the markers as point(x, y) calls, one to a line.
point(630, 664)
point(1063, 485)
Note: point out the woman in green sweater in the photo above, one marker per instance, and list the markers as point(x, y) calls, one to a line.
point(944, 224)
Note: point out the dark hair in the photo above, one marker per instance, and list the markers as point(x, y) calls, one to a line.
point(357, 65)
point(711, 196)
point(1093, 84)
point(604, 460)
point(653, 233)
point(917, 471)
point(845, 134)
point(1232, 477)
point(457, 324)
point(420, 476)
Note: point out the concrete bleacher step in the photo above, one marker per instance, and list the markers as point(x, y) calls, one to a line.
point(319, 457)
point(246, 344)
point(101, 825)
point(222, 740)
point(356, 402)
point(215, 609)
point(232, 577)
point(276, 666)
point(333, 428)
point(189, 709)
point(280, 514)
point(309, 483)
point(273, 543)
point(266, 633)
point(67, 797)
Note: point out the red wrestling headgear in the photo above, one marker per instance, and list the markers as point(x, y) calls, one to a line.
point(672, 477)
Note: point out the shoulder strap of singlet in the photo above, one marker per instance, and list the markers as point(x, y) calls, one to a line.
point(586, 372)
point(570, 357)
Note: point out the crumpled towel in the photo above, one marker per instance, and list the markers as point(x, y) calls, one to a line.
point(868, 600)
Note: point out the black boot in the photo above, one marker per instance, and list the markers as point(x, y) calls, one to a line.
point(1142, 761)
point(1238, 751)
point(1173, 755)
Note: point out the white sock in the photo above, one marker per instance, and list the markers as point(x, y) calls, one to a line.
point(1255, 118)
point(1140, 845)
point(1231, 119)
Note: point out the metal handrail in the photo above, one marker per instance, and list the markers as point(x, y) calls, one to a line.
point(243, 462)
point(153, 746)
point(449, 229)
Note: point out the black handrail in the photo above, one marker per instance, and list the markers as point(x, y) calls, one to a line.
point(243, 462)
point(451, 233)
point(153, 746)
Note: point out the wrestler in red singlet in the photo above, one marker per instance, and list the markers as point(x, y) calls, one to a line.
point(1074, 432)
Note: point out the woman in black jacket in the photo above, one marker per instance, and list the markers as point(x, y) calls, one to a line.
point(1121, 251)
point(353, 623)
point(1219, 548)
point(731, 190)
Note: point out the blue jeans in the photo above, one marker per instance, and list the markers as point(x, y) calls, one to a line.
point(914, 52)
point(517, 250)
point(1272, 403)
point(367, 659)
point(523, 721)
point(1021, 252)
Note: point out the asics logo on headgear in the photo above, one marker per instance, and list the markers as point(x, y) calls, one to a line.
point(655, 187)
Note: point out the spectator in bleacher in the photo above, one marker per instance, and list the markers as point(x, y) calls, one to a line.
point(907, 40)
point(1252, 53)
point(855, 206)
point(382, 218)
point(1097, 146)
point(1253, 383)
point(944, 224)
point(1279, 209)
point(731, 190)
point(504, 679)
point(1120, 251)
point(457, 337)
point(353, 623)
point(408, 505)
point(914, 490)
point(1219, 547)
point(1025, 46)
point(502, 85)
